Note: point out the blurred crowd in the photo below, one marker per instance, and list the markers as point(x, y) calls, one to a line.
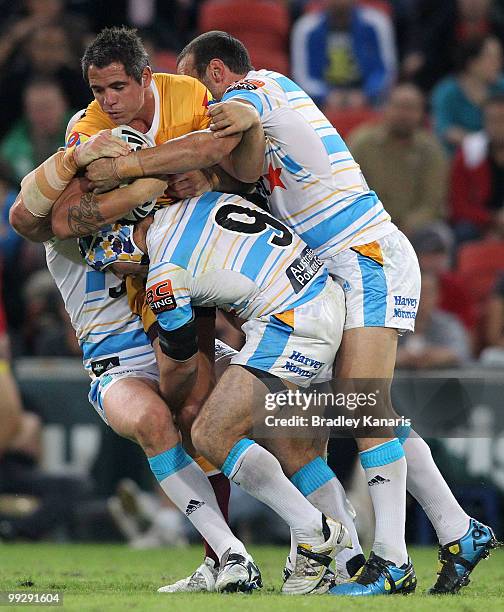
point(416, 87)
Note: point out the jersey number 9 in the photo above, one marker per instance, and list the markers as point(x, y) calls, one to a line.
point(245, 220)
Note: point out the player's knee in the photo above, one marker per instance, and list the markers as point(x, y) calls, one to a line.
point(153, 428)
point(200, 436)
point(187, 415)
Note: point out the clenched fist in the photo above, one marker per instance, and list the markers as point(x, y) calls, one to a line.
point(102, 144)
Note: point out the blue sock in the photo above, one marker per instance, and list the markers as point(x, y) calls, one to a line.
point(234, 454)
point(312, 476)
point(169, 462)
point(383, 454)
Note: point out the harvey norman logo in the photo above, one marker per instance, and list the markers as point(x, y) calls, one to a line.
point(401, 306)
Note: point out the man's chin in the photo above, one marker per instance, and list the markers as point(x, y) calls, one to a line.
point(118, 118)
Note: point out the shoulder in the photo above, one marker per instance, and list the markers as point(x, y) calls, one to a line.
point(181, 96)
point(89, 121)
point(371, 17)
point(445, 89)
point(428, 142)
point(367, 135)
point(176, 85)
point(19, 132)
point(306, 24)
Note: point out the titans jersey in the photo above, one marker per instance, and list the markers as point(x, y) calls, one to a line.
point(180, 108)
point(109, 334)
point(312, 182)
point(219, 250)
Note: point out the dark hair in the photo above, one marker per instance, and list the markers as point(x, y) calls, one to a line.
point(217, 45)
point(470, 50)
point(117, 44)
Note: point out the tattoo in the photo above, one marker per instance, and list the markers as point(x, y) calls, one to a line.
point(85, 218)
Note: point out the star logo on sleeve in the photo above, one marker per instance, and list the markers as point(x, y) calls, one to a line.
point(274, 179)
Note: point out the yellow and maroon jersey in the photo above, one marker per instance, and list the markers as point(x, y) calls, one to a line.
point(180, 108)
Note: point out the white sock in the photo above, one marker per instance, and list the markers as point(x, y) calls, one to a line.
point(319, 484)
point(259, 473)
point(427, 485)
point(185, 483)
point(385, 468)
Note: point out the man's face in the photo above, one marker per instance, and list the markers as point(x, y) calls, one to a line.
point(405, 111)
point(45, 108)
point(119, 95)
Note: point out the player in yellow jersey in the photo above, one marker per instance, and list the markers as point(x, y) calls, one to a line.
point(161, 106)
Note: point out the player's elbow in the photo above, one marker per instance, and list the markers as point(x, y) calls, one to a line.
point(20, 219)
point(16, 216)
point(214, 150)
point(212, 153)
point(249, 174)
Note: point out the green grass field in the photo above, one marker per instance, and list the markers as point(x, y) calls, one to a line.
point(112, 577)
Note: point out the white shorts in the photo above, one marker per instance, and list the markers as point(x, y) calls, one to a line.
point(381, 281)
point(298, 345)
point(100, 386)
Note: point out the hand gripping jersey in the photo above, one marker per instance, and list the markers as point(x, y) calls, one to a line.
point(219, 250)
point(180, 108)
point(312, 182)
point(110, 335)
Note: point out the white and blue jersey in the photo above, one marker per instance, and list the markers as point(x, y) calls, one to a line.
point(312, 182)
point(110, 335)
point(220, 250)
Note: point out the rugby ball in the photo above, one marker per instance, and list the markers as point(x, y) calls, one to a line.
point(136, 141)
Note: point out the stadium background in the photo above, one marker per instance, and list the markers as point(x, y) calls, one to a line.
point(443, 187)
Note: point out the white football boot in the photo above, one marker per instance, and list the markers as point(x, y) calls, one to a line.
point(202, 580)
point(238, 573)
point(312, 562)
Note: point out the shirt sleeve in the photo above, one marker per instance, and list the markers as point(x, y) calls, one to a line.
point(167, 295)
point(246, 96)
point(202, 97)
point(93, 120)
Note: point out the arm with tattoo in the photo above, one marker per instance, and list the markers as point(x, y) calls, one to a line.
point(78, 212)
point(85, 218)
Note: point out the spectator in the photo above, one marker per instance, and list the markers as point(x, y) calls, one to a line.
point(345, 55)
point(439, 341)
point(457, 101)
point(477, 182)
point(40, 45)
point(403, 161)
point(434, 245)
point(493, 354)
point(36, 137)
point(16, 31)
point(428, 55)
point(436, 29)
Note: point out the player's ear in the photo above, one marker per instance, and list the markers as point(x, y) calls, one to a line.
point(216, 69)
point(146, 77)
